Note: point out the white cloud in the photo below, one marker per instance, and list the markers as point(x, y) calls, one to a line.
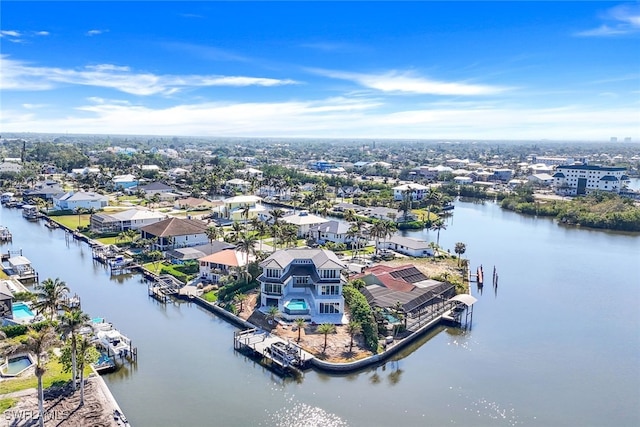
point(622, 19)
point(9, 33)
point(18, 75)
point(96, 32)
point(408, 83)
point(337, 117)
point(42, 33)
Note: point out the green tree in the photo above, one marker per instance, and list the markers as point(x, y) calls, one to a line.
point(39, 343)
point(460, 249)
point(87, 353)
point(247, 244)
point(212, 233)
point(240, 298)
point(272, 313)
point(326, 329)
point(300, 324)
point(437, 226)
point(354, 328)
point(71, 322)
point(51, 296)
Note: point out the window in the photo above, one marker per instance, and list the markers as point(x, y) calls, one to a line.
point(272, 288)
point(329, 274)
point(330, 290)
point(273, 273)
point(329, 307)
point(301, 280)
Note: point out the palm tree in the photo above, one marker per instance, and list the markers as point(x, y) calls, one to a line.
point(289, 234)
point(79, 211)
point(353, 328)
point(241, 298)
point(39, 343)
point(130, 235)
point(87, 353)
point(432, 197)
point(236, 232)
point(247, 244)
point(71, 322)
point(51, 296)
point(349, 215)
point(460, 249)
point(326, 329)
point(244, 212)
point(378, 231)
point(437, 226)
point(272, 313)
point(212, 233)
point(300, 324)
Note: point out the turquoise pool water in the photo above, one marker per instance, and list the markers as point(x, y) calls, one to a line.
point(17, 365)
point(297, 304)
point(21, 311)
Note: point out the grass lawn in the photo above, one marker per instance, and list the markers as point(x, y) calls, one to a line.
point(7, 403)
point(3, 275)
point(108, 240)
point(211, 296)
point(71, 221)
point(53, 375)
point(153, 266)
point(421, 214)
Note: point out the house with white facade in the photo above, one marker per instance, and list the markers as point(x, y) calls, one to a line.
point(75, 200)
point(304, 283)
point(418, 191)
point(583, 179)
point(220, 264)
point(331, 231)
point(131, 219)
point(124, 181)
point(173, 233)
point(407, 246)
point(304, 221)
point(234, 207)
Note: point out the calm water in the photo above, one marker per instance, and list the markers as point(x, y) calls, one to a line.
point(557, 345)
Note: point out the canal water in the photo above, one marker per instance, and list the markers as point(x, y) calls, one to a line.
point(557, 343)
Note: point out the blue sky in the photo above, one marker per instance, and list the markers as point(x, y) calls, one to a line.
point(428, 70)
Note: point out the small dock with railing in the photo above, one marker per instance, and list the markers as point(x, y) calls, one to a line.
point(163, 287)
point(284, 357)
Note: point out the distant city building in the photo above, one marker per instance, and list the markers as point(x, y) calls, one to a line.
point(552, 161)
point(583, 179)
point(614, 139)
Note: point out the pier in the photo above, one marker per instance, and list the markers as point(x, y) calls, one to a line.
point(163, 287)
point(282, 356)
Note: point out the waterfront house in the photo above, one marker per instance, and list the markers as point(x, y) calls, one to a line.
point(45, 190)
point(220, 264)
point(174, 233)
point(583, 179)
point(131, 219)
point(303, 220)
point(153, 188)
point(75, 200)
point(387, 286)
point(305, 283)
point(237, 184)
point(332, 231)
point(389, 214)
point(195, 204)
point(407, 246)
point(181, 255)
point(542, 179)
point(417, 191)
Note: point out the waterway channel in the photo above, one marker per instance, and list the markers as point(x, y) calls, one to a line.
point(556, 344)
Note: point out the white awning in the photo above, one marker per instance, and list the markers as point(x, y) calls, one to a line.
point(466, 299)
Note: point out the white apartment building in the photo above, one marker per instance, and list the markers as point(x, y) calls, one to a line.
point(582, 179)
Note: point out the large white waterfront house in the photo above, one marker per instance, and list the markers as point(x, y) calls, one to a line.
point(304, 283)
point(582, 179)
point(418, 191)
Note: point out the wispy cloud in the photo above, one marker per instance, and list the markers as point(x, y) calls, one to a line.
point(210, 53)
point(18, 75)
point(192, 15)
point(95, 32)
point(332, 46)
point(619, 20)
point(336, 117)
point(16, 36)
point(409, 83)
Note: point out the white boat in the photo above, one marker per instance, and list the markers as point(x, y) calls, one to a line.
point(114, 342)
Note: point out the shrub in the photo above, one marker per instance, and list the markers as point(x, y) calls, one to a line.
point(14, 330)
point(361, 312)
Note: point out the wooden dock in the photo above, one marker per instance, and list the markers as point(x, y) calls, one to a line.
point(163, 287)
point(284, 357)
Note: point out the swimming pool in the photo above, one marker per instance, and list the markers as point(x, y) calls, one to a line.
point(16, 365)
point(21, 311)
point(296, 307)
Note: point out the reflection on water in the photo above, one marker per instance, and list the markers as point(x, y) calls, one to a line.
point(298, 414)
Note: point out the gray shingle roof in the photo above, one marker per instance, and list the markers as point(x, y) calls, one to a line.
point(321, 258)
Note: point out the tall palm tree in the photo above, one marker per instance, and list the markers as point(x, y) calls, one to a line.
point(460, 249)
point(71, 322)
point(51, 296)
point(353, 328)
point(378, 231)
point(236, 232)
point(349, 215)
point(79, 211)
point(432, 197)
point(300, 324)
point(241, 298)
point(326, 329)
point(87, 353)
point(272, 313)
point(39, 343)
point(437, 226)
point(244, 212)
point(247, 244)
point(212, 233)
